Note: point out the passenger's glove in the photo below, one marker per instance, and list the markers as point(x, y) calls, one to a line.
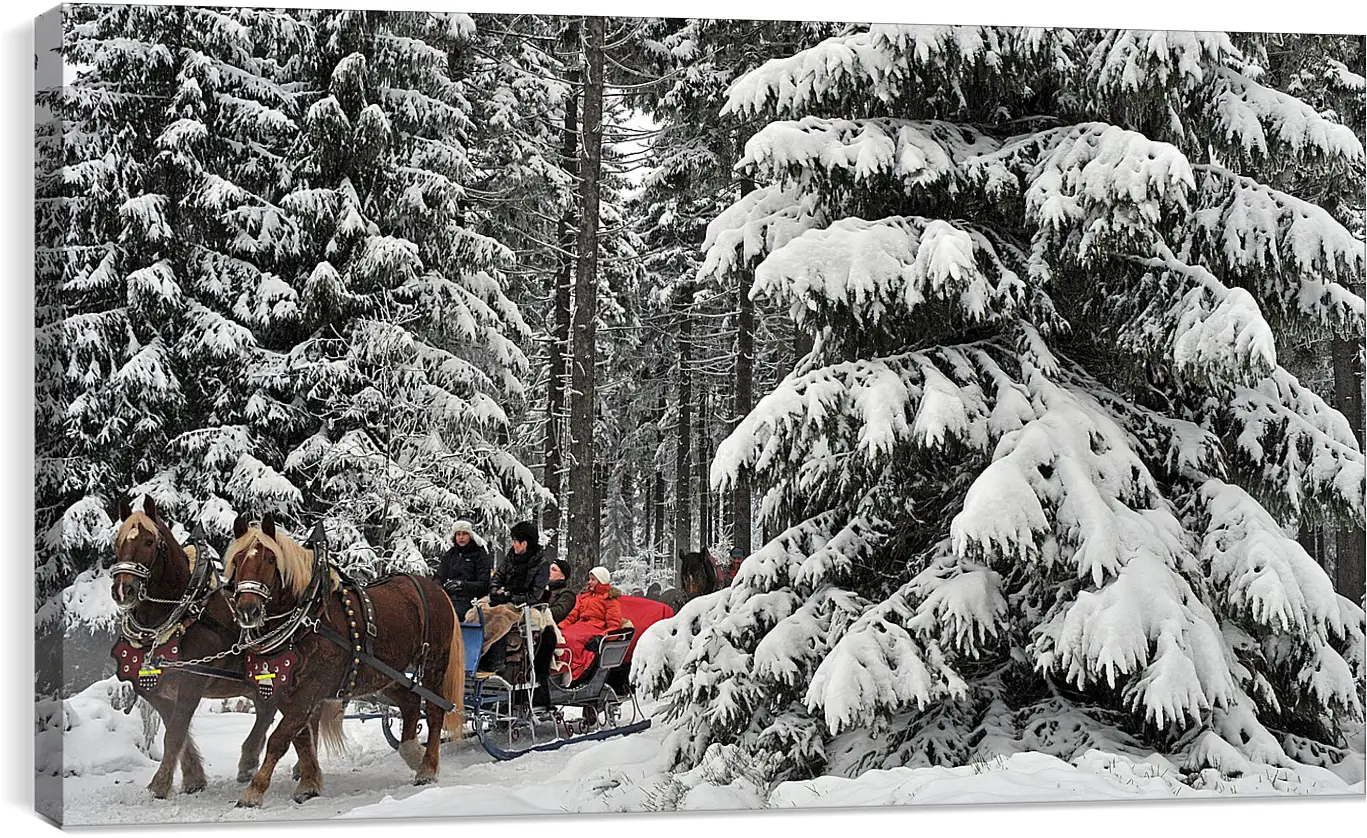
point(454, 587)
point(498, 596)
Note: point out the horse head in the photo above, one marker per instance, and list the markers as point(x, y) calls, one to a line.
point(141, 552)
point(266, 570)
point(697, 574)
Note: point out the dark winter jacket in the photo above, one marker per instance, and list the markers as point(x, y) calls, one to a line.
point(464, 571)
point(523, 578)
point(561, 598)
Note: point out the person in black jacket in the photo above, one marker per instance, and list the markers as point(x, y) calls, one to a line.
point(524, 572)
point(560, 595)
point(465, 568)
point(520, 579)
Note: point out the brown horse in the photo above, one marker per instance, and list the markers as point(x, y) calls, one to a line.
point(273, 578)
point(151, 584)
point(697, 577)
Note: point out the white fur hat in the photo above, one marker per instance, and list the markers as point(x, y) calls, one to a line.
point(602, 574)
point(462, 526)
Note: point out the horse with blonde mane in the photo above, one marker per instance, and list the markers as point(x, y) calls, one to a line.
point(170, 614)
point(344, 640)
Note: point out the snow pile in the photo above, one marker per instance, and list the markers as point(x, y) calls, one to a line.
point(1037, 778)
point(633, 774)
point(91, 734)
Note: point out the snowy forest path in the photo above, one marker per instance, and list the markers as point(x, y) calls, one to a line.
point(369, 773)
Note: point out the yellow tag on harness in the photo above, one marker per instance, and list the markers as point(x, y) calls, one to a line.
point(260, 677)
point(143, 673)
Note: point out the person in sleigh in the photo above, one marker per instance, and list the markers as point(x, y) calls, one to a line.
point(596, 612)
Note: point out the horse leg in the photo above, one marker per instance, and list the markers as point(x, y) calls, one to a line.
point(431, 759)
point(306, 770)
point(297, 771)
point(408, 705)
point(251, 746)
point(192, 777)
point(160, 786)
point(293, 719)
point(177, 736)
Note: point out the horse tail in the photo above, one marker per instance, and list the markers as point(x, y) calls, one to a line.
point(453, 685)
point(330, 728)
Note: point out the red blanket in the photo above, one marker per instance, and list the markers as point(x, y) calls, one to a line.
point(577, 635)
point(639, 611)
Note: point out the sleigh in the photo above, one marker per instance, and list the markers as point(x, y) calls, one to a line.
point(518, 710)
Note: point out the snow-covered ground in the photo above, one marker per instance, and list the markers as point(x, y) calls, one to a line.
point(108, 772)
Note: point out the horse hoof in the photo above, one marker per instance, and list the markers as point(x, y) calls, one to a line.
point(423, 781)
point(304, 796)
point(195, 788)
point(248, 804)
point(159, 792)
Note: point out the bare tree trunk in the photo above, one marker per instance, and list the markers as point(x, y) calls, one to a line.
point(658, 503)
point(744, 395)
point(660, 543)
point(1350, 572)
point(704, 479)
point(802, 346)
point(600, 493)
point(583, 537)
point(554, 476)
point(628, 491)
point(683, 470)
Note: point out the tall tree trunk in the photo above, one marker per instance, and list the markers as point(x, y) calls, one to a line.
point(660, 544)
point(600, 493)
point(583, 537)
point(802, 346)
point(683, 471)
point(744, 394)
point(704, 480)
point(1350, 572)
point(628, 493)
point(554, 476)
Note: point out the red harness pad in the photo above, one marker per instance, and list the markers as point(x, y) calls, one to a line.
point(271, 673)
point(132, 665)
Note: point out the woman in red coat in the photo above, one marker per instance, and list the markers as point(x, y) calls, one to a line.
point(596, 612)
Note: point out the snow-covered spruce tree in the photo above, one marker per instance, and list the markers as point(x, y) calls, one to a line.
point(1316, 69)
point(523, 148)
point(167, 134)
point(703, 325)
point(407, 348)
point(1036, 472)
point(522, 75)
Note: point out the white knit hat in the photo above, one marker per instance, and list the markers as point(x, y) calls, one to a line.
point(602, 574)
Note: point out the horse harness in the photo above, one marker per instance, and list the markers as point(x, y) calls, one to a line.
point(135, 656)
point(271, 669)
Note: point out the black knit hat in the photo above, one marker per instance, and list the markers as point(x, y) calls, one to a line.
point(525, 531)
point(565, 567)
